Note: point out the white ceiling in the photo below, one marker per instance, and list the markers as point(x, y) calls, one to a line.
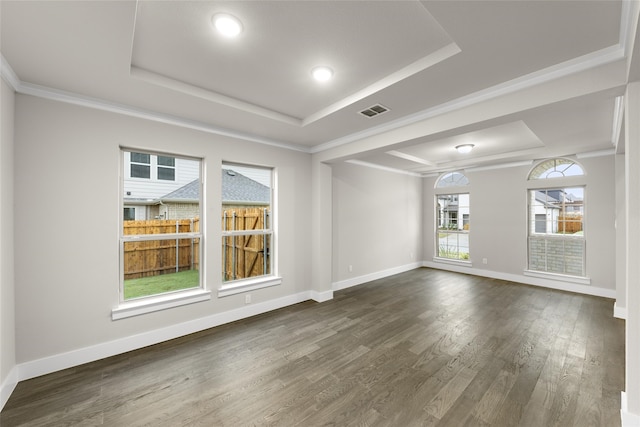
point(520, 80)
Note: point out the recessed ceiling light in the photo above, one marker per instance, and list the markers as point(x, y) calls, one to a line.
point(227, 25)
point(464, 148)
point(322, 74)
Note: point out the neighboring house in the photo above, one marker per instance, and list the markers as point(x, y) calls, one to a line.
point(547, 207)
point(241, 191)
point(184, 202)
point(147, 178)
point(452, 213)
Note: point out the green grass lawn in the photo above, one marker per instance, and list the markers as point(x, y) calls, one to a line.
point(145, 286)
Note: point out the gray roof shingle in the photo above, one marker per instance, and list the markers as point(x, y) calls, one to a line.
point(189, 192)
point(236, 188)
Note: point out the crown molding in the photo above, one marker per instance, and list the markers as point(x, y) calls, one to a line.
point(8, 74)
point(99, 104)
point(564, 69)
point(618, 114)
point(628, 23)
point(599, 153)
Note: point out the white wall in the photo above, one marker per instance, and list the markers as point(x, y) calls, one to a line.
point(377, 221)
point(7, 314)
point(498, 229)
point(67, 263)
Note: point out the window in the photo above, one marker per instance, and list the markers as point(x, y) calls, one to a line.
point(452, 218)
point(160, 256)
point(556, 221)
point(556, 168)
point(452, 231)
point(129, 214)
point(166, 168)
point(140, 165)
point(247, 226)
point(452, 179)
point(152, 167)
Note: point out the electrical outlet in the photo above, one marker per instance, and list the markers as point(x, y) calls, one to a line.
point(411, 255)
point(247, 299)
point(350, 268)
point(484, 260)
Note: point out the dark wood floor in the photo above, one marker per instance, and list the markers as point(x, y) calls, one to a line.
point(426, 347)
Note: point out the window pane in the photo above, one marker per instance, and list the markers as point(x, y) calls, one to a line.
point(166, 161)
point(452, 228)
point(129, 214)
point(557, 255)
point(556, 211)
point(246, 256)
point(452, 179)
point(140, 171)
point(141, 158)
point(556, 243)
point(167, 174)
point(246, 205)
point(158, 266)
point(153, 264)
point(556, 168)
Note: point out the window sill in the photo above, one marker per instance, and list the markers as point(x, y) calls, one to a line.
point(555, 276)
point(460, 262)
point(246, 285)
point(161, 302)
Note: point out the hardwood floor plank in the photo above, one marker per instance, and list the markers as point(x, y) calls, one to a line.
point(486, 409)
point(440, 404)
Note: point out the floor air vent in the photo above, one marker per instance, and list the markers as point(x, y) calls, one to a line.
point(374, 110)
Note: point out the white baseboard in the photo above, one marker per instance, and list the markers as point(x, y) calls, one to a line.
point(619, 312)
point(354, 281)
point(321, 296)
point(77, 357)
point(8, 385)
point(526, 280)
point(627, 418)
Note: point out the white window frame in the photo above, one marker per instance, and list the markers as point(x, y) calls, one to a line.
point(459, 232)
point(453, 183)
point(152, 303)
point(233, 287)
point(536, 183)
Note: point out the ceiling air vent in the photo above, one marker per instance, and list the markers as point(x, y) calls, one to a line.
point(374, 110)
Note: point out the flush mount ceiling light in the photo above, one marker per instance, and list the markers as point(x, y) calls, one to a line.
point(322, 73)
point(227, 25)
point(464, 148)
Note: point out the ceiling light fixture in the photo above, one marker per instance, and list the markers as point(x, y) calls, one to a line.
point(322, 73)
point(227, 25)
point(464, 148)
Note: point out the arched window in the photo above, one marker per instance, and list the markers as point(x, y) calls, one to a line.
point(452, 218)
point(452, 179)
point(555, 168)
point(556, 218)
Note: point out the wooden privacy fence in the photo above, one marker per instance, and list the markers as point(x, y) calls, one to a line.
point(155, 257)
point(245, 254)
point(570, 223)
